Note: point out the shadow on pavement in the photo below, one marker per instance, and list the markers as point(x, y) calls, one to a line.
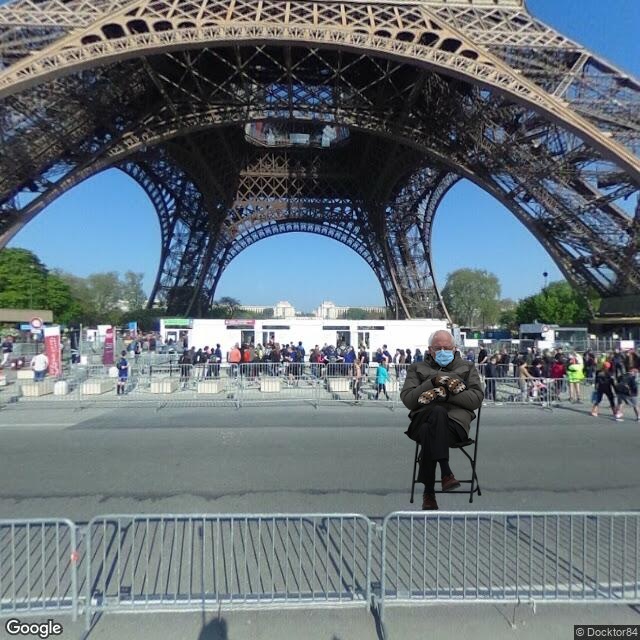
point(214, 630)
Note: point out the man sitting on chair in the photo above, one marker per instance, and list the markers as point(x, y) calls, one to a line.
point(442, 394)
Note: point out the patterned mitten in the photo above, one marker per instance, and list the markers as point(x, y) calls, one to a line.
point(453, 385)
point(438, 393)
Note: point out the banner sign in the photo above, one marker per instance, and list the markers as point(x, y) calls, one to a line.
point(108, 356)
point(240, 323)
point(178, 323)
point(133, 329)
point(52, 349)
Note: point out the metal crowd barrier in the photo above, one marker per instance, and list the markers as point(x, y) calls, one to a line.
point(38, 567)
point(169, 383)
point(510, 557)
point(132, 563)
point(171, 562)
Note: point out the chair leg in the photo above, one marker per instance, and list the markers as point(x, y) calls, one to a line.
point(413, 475)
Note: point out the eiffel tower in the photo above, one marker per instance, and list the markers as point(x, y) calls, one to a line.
point(243, 119)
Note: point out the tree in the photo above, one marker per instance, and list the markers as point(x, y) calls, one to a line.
point(355, 313)
point(507, 317)
point(132, 292)
point(229, 305)
point(26, 283)
point(66, 309)
point(472, 297)
point(557, 303)
point(147, 319)
point(105, 292)
point(23, 280)
point(267, 313)
point(85, 314)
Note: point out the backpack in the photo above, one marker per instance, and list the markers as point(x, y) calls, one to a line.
point(626, 386)
point(622, 388)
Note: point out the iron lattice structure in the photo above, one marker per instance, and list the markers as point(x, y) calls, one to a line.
point(176, 92)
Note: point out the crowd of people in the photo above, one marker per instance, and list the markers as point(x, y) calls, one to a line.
point(614, 375)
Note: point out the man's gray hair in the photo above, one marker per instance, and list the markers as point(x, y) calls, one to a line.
point(433, 335)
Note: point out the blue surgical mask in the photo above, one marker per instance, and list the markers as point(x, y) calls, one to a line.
point(444, 357)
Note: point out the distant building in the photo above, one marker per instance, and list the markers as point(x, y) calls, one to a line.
point(282, 309)
point(326, 311)
point(330, 311)
point(254, 308)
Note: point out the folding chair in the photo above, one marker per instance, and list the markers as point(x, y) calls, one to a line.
point(475, 485)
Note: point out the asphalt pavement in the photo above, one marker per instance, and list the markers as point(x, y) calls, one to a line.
point(79, 464)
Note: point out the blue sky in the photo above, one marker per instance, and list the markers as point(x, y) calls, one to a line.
point(107, 223)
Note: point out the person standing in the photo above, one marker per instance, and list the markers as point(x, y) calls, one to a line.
point(217, 359)
point(233, 358)
point(490, 375)
point(357, 379)
point(39, 365)
point(557, 372)
point(575, 375)
point(382, 377)
point(604, 387)
point(7, 350)
point(483, 358)
point(123, 374)
point(627, 392)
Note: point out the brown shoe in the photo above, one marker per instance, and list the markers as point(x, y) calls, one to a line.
point(449, 483)
point(429, 502)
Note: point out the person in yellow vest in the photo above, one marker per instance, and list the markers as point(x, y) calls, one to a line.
point(575, 375)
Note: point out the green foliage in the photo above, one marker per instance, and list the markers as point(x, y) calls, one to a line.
point(25, 283)
point(105, 293)
point(355, 313)
point(507, 317)
point(23, 280)
point(556, 304)
point(230, 306)
point(66, 308)
point(472, 297)
point(146, 318)
point(132, 292)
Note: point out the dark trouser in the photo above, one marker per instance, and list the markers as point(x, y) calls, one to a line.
point(436, 433)
point(383, 388)
point(490, 389)
point(605, 392)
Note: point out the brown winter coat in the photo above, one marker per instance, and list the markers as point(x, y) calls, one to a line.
point(461, 407)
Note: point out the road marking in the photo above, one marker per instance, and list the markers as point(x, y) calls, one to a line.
point(19, 425)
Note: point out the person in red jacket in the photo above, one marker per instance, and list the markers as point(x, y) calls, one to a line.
point(557, 373)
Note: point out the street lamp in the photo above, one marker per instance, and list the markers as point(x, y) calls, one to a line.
point(545, 275)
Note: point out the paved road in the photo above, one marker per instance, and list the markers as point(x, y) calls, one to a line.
point(292, 459)
point(79, 464)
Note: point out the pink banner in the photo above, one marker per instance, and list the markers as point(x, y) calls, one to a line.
point(52, 350)
point(108, 352)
